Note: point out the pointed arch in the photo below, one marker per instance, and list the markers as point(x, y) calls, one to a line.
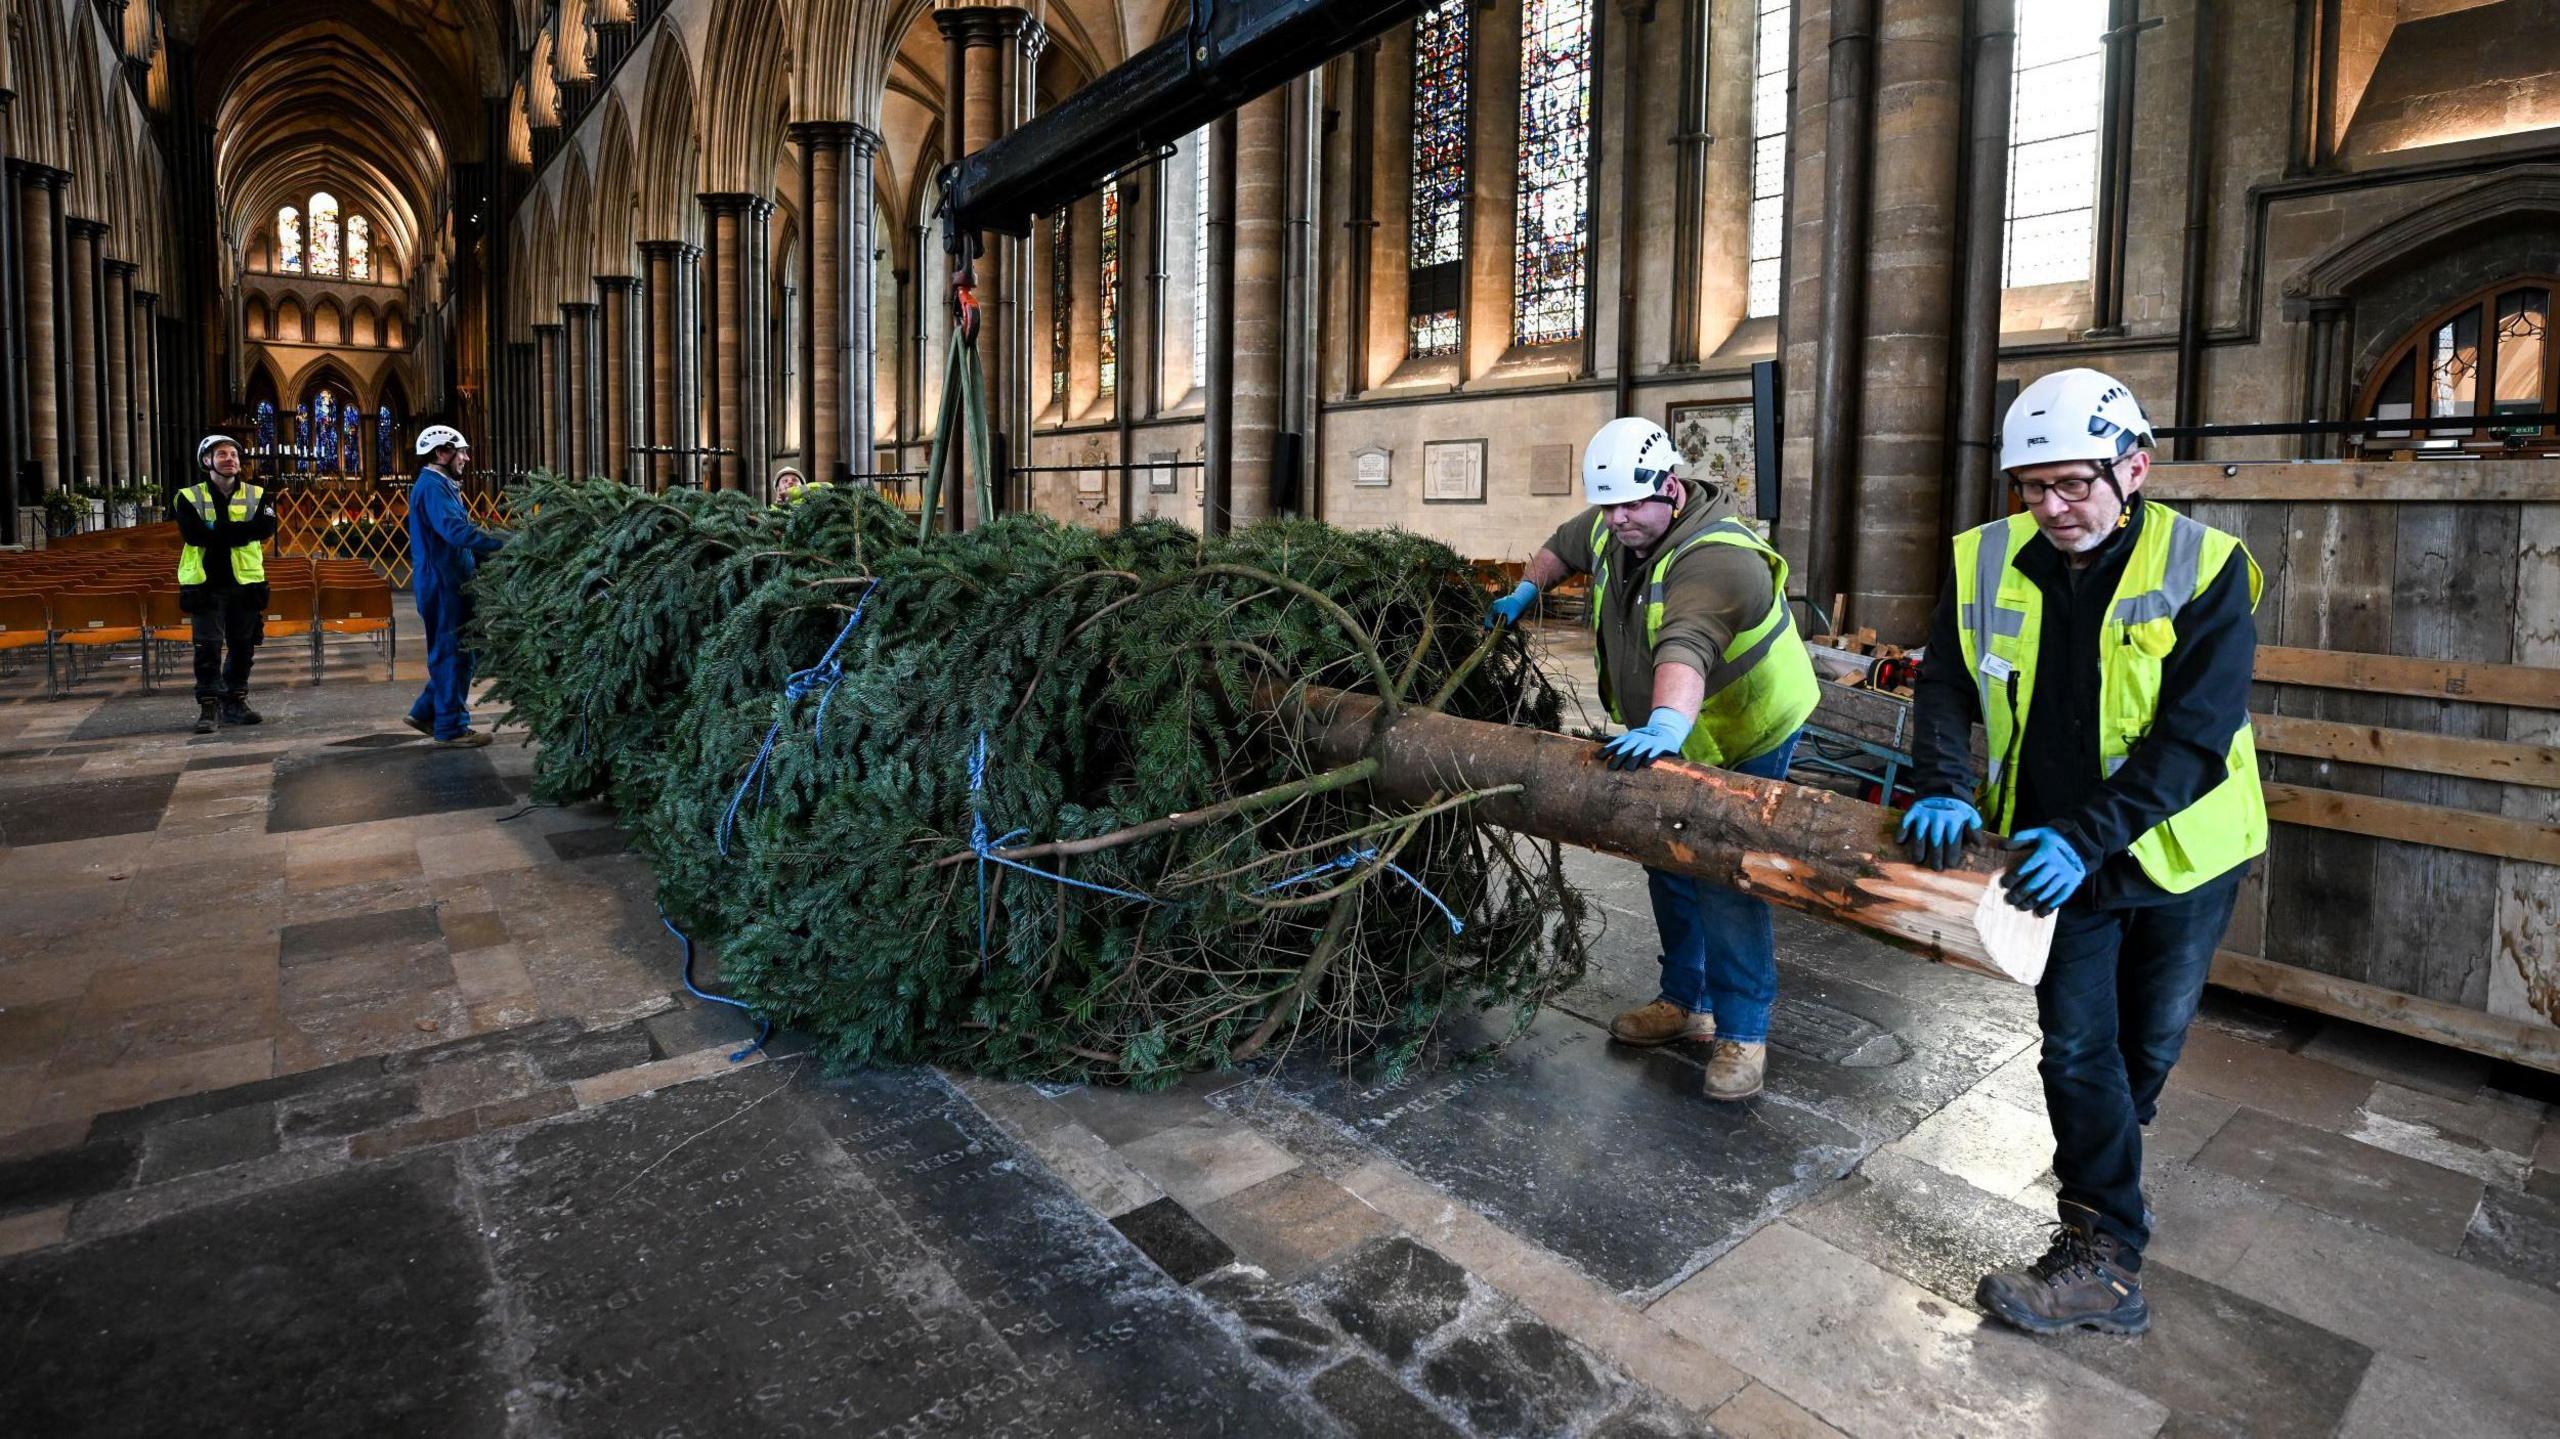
point(670, 152)
point(617, 195)
point(576, 278)
point(742, 113)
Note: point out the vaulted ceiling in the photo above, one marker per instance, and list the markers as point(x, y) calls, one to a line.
point(370, 100)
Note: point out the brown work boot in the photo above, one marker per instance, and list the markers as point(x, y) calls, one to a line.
point(1661, 1022)
point(468, 739)
point(1736, 1070)
point(2080, 1283)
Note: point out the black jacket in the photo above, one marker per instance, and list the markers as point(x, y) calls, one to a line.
point(222, 535)
point(2204, 699)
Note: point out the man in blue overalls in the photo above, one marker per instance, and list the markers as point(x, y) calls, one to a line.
point(444, 549)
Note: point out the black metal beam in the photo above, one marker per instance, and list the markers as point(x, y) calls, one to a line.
point(1232, 51)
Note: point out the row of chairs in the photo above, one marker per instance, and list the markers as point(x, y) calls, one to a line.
point(84, 604)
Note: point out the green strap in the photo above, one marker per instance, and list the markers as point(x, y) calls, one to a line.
point(964, 398)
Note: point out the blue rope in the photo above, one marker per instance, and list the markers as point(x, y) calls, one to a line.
point(985, 849)
point(825, 675)
point(1359, 857)
point(699, 992)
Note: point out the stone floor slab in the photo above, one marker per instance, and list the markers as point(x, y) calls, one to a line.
point(1873, 1354)
point(1609, 1157)
point(318, 791)
point(2400, 1399)
point(2518, 1235)
point(1988, 1143)
point(358, 934)
point(2490, 1335)
point(882, 1236)
point(1176, 1240)
point(1206, 1160)
point(2305, 1091)
point(112, 1336)
point(38, 815)
point(1294, 1223)
point(2393, 1193)
point(2489, 1136)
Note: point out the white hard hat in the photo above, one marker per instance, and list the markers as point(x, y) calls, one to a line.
point(1626, 461)
point(205, 448)
point(2073, 415)
point(436, 437)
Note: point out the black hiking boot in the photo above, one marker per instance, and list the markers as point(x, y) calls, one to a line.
point(235, 710)
point(2080, 1283)
point(208, 715)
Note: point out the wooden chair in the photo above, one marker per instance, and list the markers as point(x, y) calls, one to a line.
point(98, 620)
point(359, 607)
point(289, 616)
point(26, 622)
point(170, 626)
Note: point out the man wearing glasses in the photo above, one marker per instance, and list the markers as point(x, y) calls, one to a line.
point(2105, 646)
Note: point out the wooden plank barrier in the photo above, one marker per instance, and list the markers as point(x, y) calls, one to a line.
point(2417, 482)
point(2524, 685)
point(2484, 759)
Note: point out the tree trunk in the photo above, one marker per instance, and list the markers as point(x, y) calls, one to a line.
point(1808, 849)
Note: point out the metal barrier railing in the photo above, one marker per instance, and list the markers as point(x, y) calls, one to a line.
point(368, 521)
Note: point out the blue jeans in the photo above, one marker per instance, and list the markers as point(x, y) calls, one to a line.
point(1719, 952)
point(445, 704)
point(2114, 1004)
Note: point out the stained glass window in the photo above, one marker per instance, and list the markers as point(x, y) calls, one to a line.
point(1110, 287)
point(267, 425)
point(359, 248)
point(324, 234)
point(324, 429)
point(289, 240)
point(1437, 252)
point(350, 437)
point(1553, 239)
point(1060, 301)
point(2053, 141)
point(1771, 54)
point(383, 435)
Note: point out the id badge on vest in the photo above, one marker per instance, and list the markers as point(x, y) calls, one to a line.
point(1997, 670)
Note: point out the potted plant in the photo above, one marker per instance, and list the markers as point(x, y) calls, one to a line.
point(63, 512)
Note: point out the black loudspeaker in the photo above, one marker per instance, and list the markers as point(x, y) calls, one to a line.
point(1768, 433)
point(1288, 473)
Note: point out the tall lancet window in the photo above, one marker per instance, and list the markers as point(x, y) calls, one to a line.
point(324, 235)
point(1437, 253)
point(359, 248)
point(289, 240)
point(1554, 231)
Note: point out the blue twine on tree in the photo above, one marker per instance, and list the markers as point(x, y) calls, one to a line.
point(827, 673)
point(1359, 857)
point(985, 849)
point(699, 992)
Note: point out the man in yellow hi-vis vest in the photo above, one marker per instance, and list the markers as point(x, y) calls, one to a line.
point(1690, 613)
point(2105, 646)
point(224, 523)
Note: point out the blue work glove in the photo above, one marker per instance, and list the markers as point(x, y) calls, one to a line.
point(1660, 735)
point(1936, 829)
point(2049, 873)
point(1508, 609)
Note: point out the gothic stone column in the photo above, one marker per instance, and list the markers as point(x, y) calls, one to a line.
point(737, 224)
point(86, 398)
point(613, 326)
point(1261, 174)
point(1897, 527)
point(117, 355)
point(669, 317)
point(578, 360)
point(555, 455)
point(38, 193)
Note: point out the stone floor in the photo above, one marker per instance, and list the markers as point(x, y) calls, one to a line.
point(342, 1090)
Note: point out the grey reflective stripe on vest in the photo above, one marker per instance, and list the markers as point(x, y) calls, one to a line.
point(1984, 616)
point(2178, 584)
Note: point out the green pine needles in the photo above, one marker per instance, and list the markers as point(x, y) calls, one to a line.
point(1186, 888)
